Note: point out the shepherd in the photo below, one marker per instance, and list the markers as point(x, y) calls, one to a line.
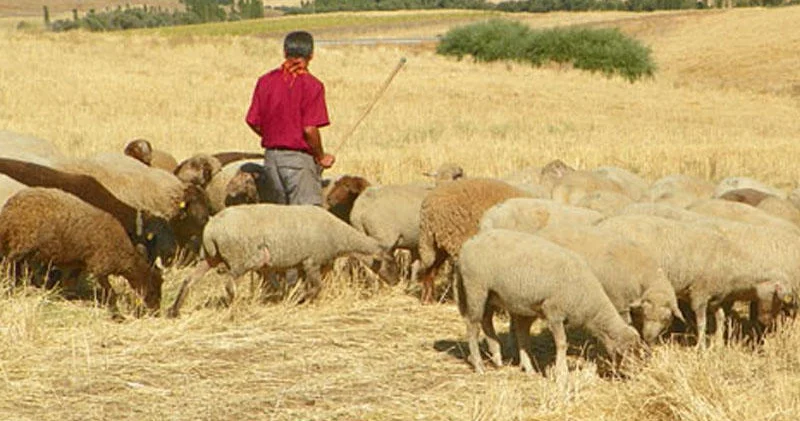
point(287, 110)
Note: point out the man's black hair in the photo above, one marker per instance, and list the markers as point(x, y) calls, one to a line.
point(298, 44)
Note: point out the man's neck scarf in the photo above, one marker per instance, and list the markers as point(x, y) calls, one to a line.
point(293, 67)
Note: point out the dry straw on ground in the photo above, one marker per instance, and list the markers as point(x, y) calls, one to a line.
point(722, 104)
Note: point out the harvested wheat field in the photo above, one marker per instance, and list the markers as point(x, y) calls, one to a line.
point(725, 101)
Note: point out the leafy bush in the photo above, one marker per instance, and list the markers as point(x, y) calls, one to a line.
point(605, 50)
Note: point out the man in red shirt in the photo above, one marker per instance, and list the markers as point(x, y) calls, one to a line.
point(287, 110)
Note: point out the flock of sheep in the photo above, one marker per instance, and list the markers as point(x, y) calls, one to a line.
point(601, 249)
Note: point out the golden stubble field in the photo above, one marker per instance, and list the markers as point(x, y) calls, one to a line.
point(725, 102)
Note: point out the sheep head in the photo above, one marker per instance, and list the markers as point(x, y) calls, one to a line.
point(340, 198)
point(154, 238)
point(141, 150)
point(198, 170)
point(193, 214)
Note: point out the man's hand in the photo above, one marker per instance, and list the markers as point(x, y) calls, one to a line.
point(326, 160)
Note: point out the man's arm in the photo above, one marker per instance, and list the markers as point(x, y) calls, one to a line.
point(314, 140)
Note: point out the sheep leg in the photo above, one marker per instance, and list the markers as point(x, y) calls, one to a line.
point(109, 297)
point(719, 335)
point(522, 333)
point(473, 333)
point(491, 337)
point(202, 267)
point(700, 306)
point(560, 338)
point(313, 278)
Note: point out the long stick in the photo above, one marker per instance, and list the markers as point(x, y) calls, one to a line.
point(371, 105)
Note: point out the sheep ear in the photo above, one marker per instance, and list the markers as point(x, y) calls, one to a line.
point(139, 223)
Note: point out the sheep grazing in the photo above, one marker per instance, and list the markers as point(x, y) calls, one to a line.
point(50, 226)
point(607, 203)
point(222, 192)
point(742, 213)
point(390, 214)
point(531, 215)
point(704, 266)
point(185, 206)
point(780, 208)
point(449, 215)
point(531, 277)
point(142, 151)
point(632, 185)
point(266, 237)
point(446, 172)
point(739, 183)
point(201, 168)
point(750, 197)
point(151, 231)
point(679, 190)
point(342, 195)
point(576, 185)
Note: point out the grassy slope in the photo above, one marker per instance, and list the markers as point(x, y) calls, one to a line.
point(384, 356)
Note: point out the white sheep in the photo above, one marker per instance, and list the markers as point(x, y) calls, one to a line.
point(631, 277)
point(264, 237)
point(737, 183)
point(575, 185)
point(530, 215)
point(704, 266)
point(606, 202)
point(532, 278)
point(23, 147)
point(632, 185)
point(780, 208)
point(741, 212)
point(679, 190)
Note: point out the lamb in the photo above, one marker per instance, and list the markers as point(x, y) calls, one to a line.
point(531, 277)
point(737, 183)
point(704, 266)
point(449, 215)
point(143, 228)
point(606, 202)
point(265, 237)
point(741, 212)
point(50, 226)
point(200, 169)
point(679, 190)
point(574, 186)
point(531, 215)
point(142, 151)
point(632, 185)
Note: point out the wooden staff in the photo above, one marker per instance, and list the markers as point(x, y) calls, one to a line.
point(371, 105)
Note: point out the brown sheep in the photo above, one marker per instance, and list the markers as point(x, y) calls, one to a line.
point(50, 226)
point(154, 232)
point(342, 195)
point(201, 168)
point(450, 214)
point(142, 151)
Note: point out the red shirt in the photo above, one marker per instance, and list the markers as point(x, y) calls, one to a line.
point(283, 104)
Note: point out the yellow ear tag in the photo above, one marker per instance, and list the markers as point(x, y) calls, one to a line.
point(788, 299)
point(149, 236)
point(182, 205)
